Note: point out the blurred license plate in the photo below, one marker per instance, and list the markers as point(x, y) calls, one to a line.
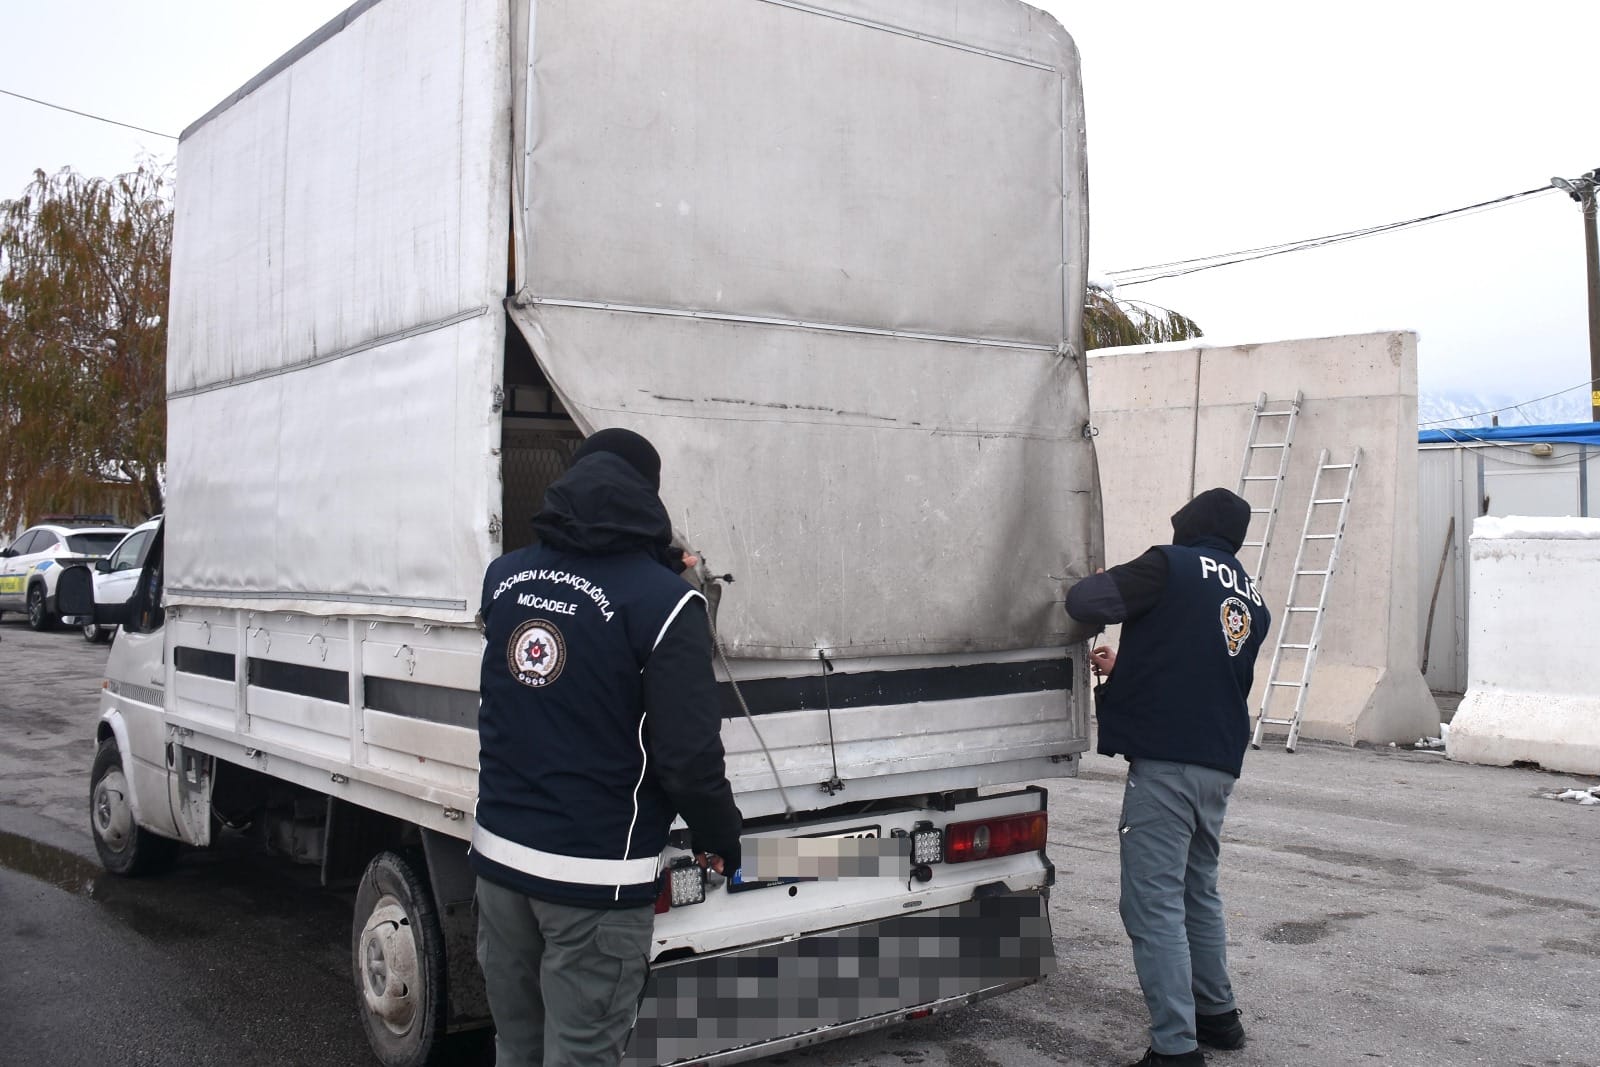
point(740, 884)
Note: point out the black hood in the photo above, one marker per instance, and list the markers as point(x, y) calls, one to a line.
point(1217, 518)
point(602, 506)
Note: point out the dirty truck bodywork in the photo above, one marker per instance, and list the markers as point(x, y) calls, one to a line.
point(829, 257)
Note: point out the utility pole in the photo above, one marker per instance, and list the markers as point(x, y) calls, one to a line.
point(1582, 189)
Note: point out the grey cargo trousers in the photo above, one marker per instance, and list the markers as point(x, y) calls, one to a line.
point(563, 982)
point(1171, 820)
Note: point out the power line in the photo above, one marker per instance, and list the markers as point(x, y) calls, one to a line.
point(1522, 403)
point(1360, 232)
point(1180, 267)
point(87, 115)
point(1507, 449)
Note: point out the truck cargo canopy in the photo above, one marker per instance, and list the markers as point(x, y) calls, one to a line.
point(338, 270)
point(830, 257)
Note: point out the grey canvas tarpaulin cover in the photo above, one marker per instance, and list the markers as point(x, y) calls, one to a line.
point(335, 326)
point(830, 258)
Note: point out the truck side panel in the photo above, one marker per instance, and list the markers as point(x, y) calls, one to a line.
point(336, 332)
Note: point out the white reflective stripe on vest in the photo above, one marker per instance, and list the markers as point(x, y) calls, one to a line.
point(576, 870)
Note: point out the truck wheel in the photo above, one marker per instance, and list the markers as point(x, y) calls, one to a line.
point(124, 847)
point(96, 635)
point(39, 617)
point(398, 961)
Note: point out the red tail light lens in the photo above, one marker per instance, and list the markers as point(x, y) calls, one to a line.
point(984, 839)
point(664, 898)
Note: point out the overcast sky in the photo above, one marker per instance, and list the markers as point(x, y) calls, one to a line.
point(1212, 127)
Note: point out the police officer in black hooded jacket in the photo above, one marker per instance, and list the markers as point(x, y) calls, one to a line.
point(1176, 705)
point(599, 722)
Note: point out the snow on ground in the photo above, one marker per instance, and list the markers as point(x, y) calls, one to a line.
point(1431, 744)
point(1585, 797)
point(1490, 527)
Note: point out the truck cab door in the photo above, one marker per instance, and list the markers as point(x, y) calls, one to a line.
point(190, 773)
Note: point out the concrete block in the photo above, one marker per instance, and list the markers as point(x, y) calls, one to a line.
point(1173, 420)
point(1533, 679)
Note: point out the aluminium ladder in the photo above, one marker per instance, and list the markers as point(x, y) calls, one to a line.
point(1296, 603)
point(1247, 478)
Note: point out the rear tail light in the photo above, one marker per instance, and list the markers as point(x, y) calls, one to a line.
point(984, 839)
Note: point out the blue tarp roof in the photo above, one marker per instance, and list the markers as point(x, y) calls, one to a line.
point(1574, 433)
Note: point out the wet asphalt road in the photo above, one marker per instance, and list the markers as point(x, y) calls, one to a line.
point(1384, 907)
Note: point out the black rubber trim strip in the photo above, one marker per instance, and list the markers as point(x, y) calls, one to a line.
point(317, 682)
point(415, 700)
point(204, 662)
point(767, 696)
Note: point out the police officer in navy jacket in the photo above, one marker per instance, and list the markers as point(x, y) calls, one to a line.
point(599, 722)
point(1176, 705)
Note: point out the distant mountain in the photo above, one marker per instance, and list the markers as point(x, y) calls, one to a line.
point(1437, 411)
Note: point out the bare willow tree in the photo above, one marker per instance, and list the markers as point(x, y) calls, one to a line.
point(1109, 322)
point(84, 268)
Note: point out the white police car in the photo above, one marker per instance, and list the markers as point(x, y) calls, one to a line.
point(30, 565)
point(116, 575)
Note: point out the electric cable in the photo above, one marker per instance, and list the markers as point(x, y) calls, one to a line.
point(1507, 449)
point(1180, 267)
point(1589, 384)
point(87, 115)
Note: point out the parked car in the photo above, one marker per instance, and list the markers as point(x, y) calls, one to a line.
point(114, 576)
point(30, 565)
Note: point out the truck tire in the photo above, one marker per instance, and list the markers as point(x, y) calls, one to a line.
point(398, 962)
point(124, 847)
point(97, 635)
point(39, 617)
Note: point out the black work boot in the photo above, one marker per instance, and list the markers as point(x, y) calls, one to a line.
point(1152, 1058)
point(1223, 1031)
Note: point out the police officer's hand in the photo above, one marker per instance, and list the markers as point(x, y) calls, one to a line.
point(707, 859)
point(1102, 659)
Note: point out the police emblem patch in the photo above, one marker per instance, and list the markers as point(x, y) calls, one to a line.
point(536, 653)
point(1235, 624)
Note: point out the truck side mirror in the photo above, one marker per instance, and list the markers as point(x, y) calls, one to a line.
point(75, 597)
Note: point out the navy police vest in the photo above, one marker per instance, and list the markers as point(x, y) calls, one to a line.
point(1181, 687)
point(568, 809)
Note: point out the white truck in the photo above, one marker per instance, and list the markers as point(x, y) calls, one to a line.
point(830, 257)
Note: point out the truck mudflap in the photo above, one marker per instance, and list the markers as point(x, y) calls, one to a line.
point(749, 1002)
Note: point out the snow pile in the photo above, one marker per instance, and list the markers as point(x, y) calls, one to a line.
point(1494, 528)
point(1585, 797)
point(1434, 744)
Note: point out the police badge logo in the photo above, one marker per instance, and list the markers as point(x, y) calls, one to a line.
point(536, 653)
point(1235, 624)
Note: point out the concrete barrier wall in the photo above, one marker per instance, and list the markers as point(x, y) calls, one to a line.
point(1533, 677)
point(1174, 419)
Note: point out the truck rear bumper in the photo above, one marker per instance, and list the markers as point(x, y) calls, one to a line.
point(738, 1005)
